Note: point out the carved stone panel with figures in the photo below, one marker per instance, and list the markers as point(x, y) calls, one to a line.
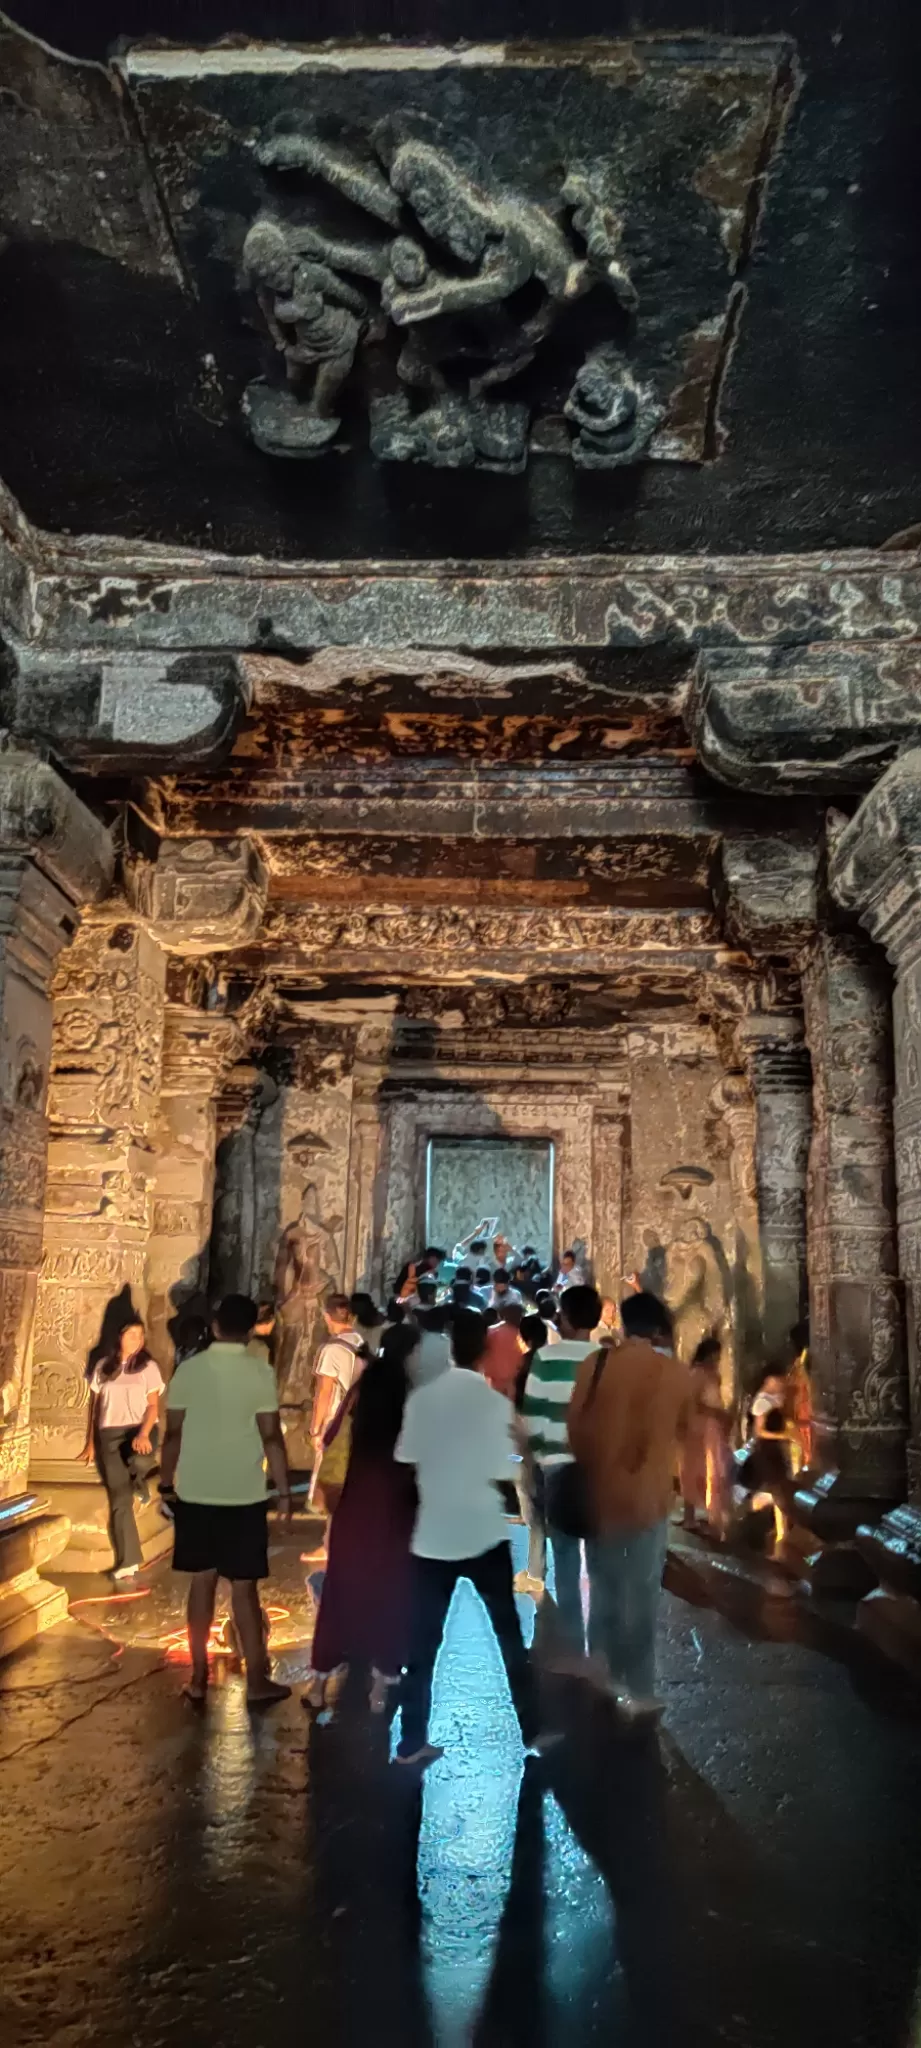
point(476, 261)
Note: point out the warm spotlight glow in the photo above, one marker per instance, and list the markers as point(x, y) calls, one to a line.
point(222, 1645)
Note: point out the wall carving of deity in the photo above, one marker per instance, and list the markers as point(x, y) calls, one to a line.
point(511, 1178)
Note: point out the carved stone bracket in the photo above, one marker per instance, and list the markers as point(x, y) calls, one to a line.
point(135, 711)
point(793, 718)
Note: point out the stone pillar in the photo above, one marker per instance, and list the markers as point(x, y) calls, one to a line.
point(856, 1326)
point(608, 1160)
point(777, 1065)
point(875, 869)
point(245, 1092)
point(54, 856)
point(103, 1103)
point(732, 1106)
point(198, 1049)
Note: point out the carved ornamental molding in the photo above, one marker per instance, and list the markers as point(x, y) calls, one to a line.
point(875, 860)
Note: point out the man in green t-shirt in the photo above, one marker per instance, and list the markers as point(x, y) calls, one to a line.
point(222, 1428)
point(544, 1410)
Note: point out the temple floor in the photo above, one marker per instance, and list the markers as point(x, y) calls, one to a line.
point(754, 1878)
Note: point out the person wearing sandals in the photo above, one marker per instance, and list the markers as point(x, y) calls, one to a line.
point(222, 1428)
point(365, 1604)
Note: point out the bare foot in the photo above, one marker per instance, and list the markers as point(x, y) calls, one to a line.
point(195, 1690)
point(269, 1694)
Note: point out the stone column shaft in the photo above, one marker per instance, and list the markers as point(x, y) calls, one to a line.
point(875, 869)
point(54, 856)
point(778, 1068)
point(855, 1300)
point(105, 1084)
point(198, 1049)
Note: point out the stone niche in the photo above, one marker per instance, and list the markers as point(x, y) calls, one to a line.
point(468, 259)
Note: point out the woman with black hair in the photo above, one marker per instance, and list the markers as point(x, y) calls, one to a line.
point(121, 1434)
point(364, 1607)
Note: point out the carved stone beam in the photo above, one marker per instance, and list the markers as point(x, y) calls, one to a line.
point(767, 891)
point(777, 1064)
point(199, 896)
point(128, 711)
point(54, 856)
point(821, 717)
point(875, 870)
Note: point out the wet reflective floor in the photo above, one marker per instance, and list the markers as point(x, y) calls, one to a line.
point(753, 1877)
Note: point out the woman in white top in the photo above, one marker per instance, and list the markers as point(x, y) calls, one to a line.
point(122, 1433)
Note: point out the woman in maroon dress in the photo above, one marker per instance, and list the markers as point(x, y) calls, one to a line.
point(364, 1606)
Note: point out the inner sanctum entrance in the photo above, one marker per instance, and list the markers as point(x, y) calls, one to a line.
point(508, 1179)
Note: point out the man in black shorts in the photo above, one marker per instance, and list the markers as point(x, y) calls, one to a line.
point(222, 1424)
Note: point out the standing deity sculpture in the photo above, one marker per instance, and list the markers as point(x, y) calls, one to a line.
point(695, 1288)
point(306, 1265)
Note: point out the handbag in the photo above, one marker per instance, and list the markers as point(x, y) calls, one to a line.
point(566, 1490)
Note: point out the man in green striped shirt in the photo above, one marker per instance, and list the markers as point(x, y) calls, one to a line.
point(544, 1411)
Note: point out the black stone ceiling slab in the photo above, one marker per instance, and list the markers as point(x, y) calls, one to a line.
point(114, 415)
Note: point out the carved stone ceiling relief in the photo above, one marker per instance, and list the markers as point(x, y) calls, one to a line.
point(471, 261)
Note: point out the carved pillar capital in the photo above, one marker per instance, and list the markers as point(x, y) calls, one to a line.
point(773, 1051)
point(199, 1049)
point(199, 896)
point(767, 891)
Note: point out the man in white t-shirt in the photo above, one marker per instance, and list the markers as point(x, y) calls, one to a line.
point(337, 1366)
point(456, 1433)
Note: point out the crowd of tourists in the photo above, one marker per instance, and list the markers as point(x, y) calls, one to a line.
point(489, 1390)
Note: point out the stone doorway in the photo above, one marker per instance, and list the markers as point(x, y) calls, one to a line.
point(508, 1178)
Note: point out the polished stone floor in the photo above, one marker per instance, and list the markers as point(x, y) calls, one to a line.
point(186, 1881)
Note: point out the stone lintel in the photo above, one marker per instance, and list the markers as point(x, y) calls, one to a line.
point(125, 709)
point(796, 718)
point(91, 593)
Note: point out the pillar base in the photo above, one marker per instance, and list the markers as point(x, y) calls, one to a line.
point(892, 1621)
point(28, 1604)
point(78, 1494)
point(827, 1504)
point(893, 1548)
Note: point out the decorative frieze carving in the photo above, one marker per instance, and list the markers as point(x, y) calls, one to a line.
point(444, 931)
point(199, 896)
point(40, 816)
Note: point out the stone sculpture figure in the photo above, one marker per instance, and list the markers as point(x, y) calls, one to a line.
point(695, 1288)
point(316, 319)
point(512, 265)
point(615, 417)
point(306, 1265)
